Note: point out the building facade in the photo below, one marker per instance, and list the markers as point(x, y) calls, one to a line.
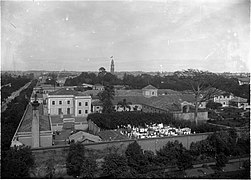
point(68, 102)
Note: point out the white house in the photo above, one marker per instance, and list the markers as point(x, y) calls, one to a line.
point(70, 102)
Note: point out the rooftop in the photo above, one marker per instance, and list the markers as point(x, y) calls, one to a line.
point(149, 87)
point(56, 119)
point(111, 135)
point(244, 79)
point(66, 91)
point(239, 100)
point(81, 136)
point(44, 122)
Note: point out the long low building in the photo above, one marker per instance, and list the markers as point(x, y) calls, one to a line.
point(34, 129)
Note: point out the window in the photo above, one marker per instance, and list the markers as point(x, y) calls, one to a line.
point(79, 103)
point(97, 107)
point(53, 102)
point(68, 102)
point(86, 111)
point(86, 103)
point(68, 111)
point(152, 93)
point(79, 111)
point(59, 111)
point(60, 102)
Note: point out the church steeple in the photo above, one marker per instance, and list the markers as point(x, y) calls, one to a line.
point(112, 65)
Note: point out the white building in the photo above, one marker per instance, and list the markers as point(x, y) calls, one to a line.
point(70, 102)
point(223, 98)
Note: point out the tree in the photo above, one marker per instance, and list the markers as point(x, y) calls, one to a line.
point(124, 104)
point(89, 168)
point(201, 83)
point(221, 160)
point(173, 153)
point(75, 158)
point(106, 97)
point(101, 74)
point(115, 166)
point(213, 105)
point(135, 157)
point(16, 162)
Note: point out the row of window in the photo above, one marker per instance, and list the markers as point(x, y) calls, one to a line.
point(69, 102)
point(69, 111)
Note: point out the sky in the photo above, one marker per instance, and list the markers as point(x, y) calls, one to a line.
point(170, 35)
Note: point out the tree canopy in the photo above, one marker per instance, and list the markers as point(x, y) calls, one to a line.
point(75, 159)
point(16, 162)
point(106, 97)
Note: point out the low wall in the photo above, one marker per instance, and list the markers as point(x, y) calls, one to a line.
point(59, 153)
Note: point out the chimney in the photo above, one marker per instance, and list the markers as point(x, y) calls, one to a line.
point(35, 124)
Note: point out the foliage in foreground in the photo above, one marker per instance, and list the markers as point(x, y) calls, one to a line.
point(16, 162)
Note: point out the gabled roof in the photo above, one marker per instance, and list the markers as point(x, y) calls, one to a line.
point(149, 87)
point(244, 79)
point(239, 100)
point(81, 136)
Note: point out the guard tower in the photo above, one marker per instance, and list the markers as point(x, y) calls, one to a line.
point(112, 65)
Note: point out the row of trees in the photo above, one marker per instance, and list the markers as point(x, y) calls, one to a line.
point(15, 161)
point(133, 163)
point(15, 84)
point(136, 163)
point(175, 82)
point(141, 119)
point(204, 85)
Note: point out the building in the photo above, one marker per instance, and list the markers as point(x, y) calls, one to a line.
point(34, 129)
point(153, 100)
point(84, 137)
point(239, 103)
point(244, 80)
point(69, 102)
point(223, 98)
point(150, 91)
point(98, 87)
point(68, 122)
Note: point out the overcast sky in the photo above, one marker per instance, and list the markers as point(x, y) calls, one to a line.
point(145, 36)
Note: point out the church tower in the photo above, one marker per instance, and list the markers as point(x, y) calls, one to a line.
point(112, 66)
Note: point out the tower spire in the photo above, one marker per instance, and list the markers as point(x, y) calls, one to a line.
point(112, 65)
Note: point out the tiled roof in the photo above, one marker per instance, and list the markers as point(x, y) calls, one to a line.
point(244, 79)
point(133, 92)
point(111, 135)
point(66, 91)
point(239, 100)
point(44, 122)
point(168, 102)
point(92, 93)
point(149, 87)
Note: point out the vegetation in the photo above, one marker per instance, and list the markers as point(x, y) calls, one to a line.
point(75, 159)
point(173, 82)
point(140, 119)
point(115, 166)
point(16, 162)
point(15, 84)
point(106, 98)
point(11, 117)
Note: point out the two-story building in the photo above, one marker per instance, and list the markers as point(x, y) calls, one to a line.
point(70, 102)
